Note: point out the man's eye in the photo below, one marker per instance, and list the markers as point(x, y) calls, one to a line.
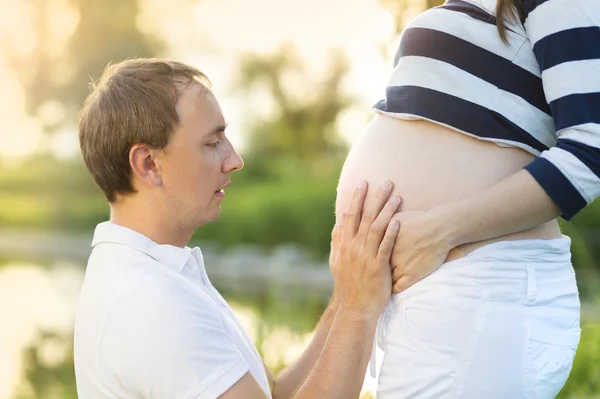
point(215, 144)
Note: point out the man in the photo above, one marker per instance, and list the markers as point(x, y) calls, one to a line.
point(149, 323)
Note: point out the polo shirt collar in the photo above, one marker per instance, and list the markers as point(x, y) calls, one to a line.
point(169, 255)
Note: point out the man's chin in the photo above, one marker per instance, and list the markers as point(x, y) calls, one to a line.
point(213, 216)
point(217, 214)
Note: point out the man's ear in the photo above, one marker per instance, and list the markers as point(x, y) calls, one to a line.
point(143, 162)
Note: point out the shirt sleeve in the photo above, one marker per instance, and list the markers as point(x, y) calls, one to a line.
point(160, 342)
point(565, 35)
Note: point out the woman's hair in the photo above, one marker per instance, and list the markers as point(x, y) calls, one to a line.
point(508, 10)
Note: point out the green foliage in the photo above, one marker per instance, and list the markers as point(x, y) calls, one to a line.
point(294, 210)
point(434, 3)
point(45, 193)
point(585, 249)
point(49, 370)
point(301, 131)
point(291, 208)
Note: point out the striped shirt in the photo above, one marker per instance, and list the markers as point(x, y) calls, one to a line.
point(540, 92)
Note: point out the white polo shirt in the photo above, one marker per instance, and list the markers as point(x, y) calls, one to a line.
point(149, 324)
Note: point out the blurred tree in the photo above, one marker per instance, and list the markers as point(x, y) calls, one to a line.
point(48, 370)
point(301, 131)
point(433, 3)
point(398, 8)
point(57, 79)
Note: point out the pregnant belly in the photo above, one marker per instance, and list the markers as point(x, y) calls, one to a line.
point(431, 165)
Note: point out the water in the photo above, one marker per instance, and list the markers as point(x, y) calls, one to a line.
point(32, 299)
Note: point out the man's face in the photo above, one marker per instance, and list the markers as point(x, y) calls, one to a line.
point(198, 160)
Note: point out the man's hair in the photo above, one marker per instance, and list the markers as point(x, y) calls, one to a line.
point(132, 103)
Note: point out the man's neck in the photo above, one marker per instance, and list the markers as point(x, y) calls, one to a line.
point(149, 220)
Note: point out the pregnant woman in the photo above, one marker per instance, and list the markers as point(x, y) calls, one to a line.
point(490, 130)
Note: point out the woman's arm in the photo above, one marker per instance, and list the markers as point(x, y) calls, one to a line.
point(515, 204)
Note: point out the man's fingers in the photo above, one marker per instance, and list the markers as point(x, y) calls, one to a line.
point(352, 218)
point(387, 244)
point(337, 229)
point(380, 225)
point(372, 212)
point(336, 235)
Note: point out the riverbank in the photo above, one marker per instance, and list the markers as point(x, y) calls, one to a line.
point(246, 270)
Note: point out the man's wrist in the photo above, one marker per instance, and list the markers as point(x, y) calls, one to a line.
point(361, 315)
point(330, 312)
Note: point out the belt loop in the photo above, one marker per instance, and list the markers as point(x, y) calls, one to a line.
point(531, 286)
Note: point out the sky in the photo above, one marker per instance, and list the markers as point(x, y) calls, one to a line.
point(212, 35)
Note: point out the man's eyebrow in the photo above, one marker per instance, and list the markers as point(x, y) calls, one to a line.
point(218, 129)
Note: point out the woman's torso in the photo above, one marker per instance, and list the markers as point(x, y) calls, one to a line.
point(431, 165)
point(452, 68)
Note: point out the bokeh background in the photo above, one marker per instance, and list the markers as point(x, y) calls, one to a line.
point(296, 80)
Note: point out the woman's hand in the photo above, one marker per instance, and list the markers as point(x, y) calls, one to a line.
point(420, 248)
point(361, 250)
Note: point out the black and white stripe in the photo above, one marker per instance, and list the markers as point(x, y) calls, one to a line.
point(541, 92)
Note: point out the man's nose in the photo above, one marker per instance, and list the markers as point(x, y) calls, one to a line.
point(233, 162)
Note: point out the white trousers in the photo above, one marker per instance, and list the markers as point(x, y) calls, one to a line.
point(500, 323)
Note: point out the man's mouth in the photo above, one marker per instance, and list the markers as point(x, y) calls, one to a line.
point(221, 191)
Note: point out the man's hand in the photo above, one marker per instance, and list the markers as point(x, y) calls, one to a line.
point(361, 265)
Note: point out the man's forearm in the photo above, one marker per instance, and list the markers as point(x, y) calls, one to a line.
point(340, 369)
point(512, 205)
point(288, 381)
